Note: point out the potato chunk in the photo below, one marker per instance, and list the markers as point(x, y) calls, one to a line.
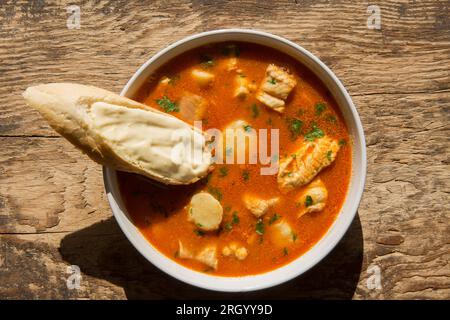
point(258, 206)
point(192, 107)
point(205, 211)
point(275, 87)
point(281, 233)
point(307, 162)
point(314, 198)
point(203, 78)
point(208, 256)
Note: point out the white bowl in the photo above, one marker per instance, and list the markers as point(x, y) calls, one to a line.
point(335, 232)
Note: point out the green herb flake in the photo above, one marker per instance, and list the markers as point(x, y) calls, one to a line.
point(223, 172)
point(294, 236)
point(167, 105)
point(320, 107)
point(260, 227)
point(314, 134)
point(215, 192)
point(285, 251)
point(308, 201)
point(199, 232)
point(235, 218)
point(329, 154)
point(269, 122)
point(342, 142)
point(255, 111)
point(246, 175)
point(247, 128)
point(274, 218)
point(295, 127)
point(272, 81)
point(227, 208)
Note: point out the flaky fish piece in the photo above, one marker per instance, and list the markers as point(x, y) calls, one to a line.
point(314, 198)
point(258, 206)
point(301, 167)
point(275, 87)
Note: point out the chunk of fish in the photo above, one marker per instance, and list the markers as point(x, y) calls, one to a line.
point(183, 252)
point(208, 256)
point(258, 206)
point(281, 233)
point(299, 169)
point(314, 198)
point(192, 107)
point(276, 87)
point(203, 78)
point(278, 82)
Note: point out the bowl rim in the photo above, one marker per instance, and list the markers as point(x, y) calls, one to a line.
point(288, 271)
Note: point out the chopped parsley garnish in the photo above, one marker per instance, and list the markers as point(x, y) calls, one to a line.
point(255, 111)
point(329, 154)
point(272, 81)
point(308, 201)
point(247, 128)
point(315, 133)
point(320, 107)
point(274, 218)
point(223, 172)
point(295, 127)
point(227, 208)
point(260, 227)
point(246, 175)
point(342, 142)
point(285, 251)
point(269, 121)
point(215, 192)
point(199, 232)
point(167, 105)
point(294, 236)
point(235, 218)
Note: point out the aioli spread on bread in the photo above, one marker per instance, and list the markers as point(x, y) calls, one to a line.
point(119, 132)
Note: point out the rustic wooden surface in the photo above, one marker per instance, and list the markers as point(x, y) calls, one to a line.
point(53, 211)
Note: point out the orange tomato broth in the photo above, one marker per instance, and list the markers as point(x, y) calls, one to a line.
point(161, 213)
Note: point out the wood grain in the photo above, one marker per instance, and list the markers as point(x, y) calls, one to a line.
point(53, 211)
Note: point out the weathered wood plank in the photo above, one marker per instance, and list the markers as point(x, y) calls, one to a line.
point(53, 211)
point(406, 199)
point(116, 38)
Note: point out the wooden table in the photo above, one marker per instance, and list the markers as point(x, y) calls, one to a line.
point(53, 211)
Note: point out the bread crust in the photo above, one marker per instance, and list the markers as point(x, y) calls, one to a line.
point(65, 106)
